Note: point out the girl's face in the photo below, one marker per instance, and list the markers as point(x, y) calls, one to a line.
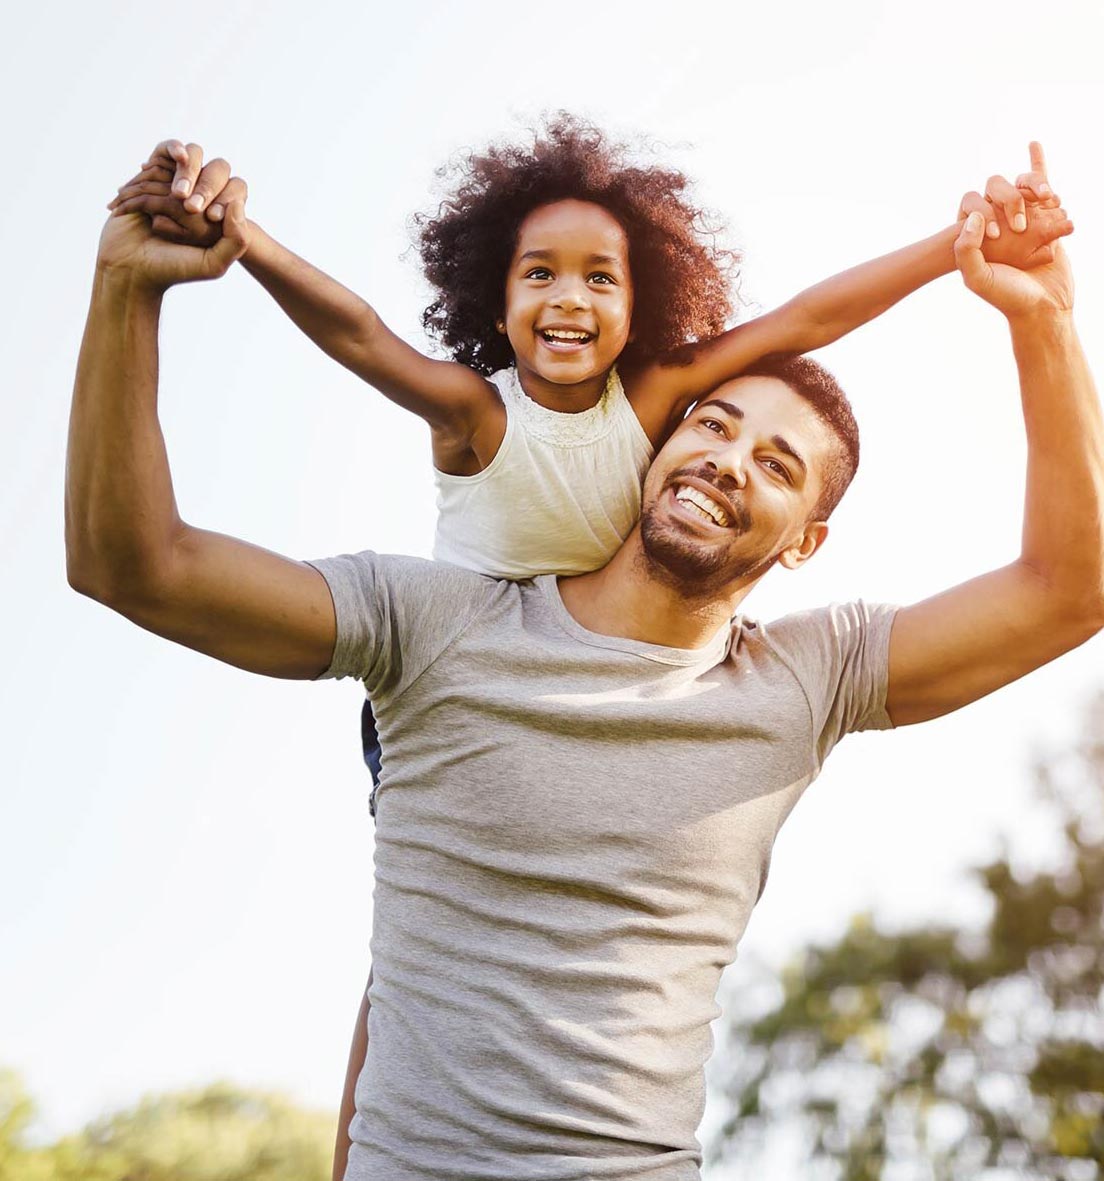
point(569, 299)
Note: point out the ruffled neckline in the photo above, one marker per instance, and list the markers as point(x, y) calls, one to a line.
point(556, 426)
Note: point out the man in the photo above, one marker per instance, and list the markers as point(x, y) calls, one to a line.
point(585, 776)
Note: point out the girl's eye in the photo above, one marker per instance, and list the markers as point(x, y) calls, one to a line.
point(539, 273)
point(600, 277)
point(711, 424)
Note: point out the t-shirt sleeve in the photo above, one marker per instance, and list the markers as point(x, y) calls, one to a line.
point(396, 615)
point(840, 657)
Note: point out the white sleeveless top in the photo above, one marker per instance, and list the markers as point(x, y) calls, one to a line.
point(560, 495)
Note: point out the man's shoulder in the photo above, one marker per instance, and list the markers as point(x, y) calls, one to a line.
point(837, 619)
point(396, 614)
point(403, 574)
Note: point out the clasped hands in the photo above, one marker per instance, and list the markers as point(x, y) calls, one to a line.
point(1012, 225)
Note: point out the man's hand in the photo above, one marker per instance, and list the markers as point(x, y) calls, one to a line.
point(185, 200)
point(1022, 221)
point(1047, 287)
point(142, 240)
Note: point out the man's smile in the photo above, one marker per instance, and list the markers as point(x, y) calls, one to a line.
point(706, 502)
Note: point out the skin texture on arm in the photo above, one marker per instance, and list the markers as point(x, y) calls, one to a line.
point(358, 1054)
point(823, 313)
point(126, 544)
point(455, 401)
point(960, 645)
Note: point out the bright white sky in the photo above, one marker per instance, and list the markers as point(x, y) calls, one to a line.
point(185, 850)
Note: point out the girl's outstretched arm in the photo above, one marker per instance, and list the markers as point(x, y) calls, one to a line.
point(174, 190)
point(823, 313)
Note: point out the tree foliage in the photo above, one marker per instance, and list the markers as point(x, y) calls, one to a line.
point(220, 1133)
point(943, 1054)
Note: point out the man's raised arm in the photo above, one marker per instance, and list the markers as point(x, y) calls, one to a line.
point(124, 540)
point(954, 648)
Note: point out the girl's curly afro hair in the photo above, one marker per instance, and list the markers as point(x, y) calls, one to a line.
point(680, 276)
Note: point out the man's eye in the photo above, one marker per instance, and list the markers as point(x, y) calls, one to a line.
point(778, 468)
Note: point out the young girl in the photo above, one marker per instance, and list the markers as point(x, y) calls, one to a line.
point(584, 303)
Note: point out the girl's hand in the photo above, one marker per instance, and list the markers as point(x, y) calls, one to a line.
point(1022, 221)
point(184, 201)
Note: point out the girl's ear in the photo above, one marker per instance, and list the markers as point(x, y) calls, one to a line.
point(500, 324)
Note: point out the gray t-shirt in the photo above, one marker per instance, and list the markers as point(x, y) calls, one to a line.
point(572, 830)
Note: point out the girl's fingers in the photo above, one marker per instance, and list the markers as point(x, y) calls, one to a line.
point(165, 227)
point(157, 188)
point(1005, 194)
point(169, 152)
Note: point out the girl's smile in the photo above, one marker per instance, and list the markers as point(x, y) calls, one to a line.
point(569, 302)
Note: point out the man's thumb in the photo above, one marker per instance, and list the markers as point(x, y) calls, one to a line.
point(968, 257)
point(232, 245)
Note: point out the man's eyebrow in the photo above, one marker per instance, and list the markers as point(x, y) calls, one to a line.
point(783, 446)
point(727, 407)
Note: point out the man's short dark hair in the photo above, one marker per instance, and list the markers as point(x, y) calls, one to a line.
point(811, 381)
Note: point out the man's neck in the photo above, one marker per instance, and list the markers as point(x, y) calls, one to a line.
point(628, 600)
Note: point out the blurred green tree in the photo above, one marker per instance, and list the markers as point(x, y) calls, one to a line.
point(944, 1054)
point(220, 1133)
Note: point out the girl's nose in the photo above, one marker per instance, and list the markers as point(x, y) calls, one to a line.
point(570, 295)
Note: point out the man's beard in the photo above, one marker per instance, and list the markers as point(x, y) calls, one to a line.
point(682, 561)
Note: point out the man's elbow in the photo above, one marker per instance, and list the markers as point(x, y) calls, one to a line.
point(122, 587)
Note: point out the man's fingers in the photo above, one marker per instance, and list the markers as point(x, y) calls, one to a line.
point(974, 202)
point(210, 182)
point(1005, 194)
point(187, 171)
point(236, 190)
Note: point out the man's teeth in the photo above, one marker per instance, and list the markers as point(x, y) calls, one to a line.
point(564, 334)
point(706, 507)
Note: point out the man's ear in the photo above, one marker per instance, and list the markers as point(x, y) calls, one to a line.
point(811, 539)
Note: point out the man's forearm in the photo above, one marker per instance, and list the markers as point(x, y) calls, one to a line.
point(336, 319)
point(1063, 539)
point(120, 511)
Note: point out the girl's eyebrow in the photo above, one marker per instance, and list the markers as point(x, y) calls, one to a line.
point(606, 259)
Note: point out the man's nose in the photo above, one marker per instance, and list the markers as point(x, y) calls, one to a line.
point(731, 461)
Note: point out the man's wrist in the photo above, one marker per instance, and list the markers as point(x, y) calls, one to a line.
point(1042, 321)
point(124, 286)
